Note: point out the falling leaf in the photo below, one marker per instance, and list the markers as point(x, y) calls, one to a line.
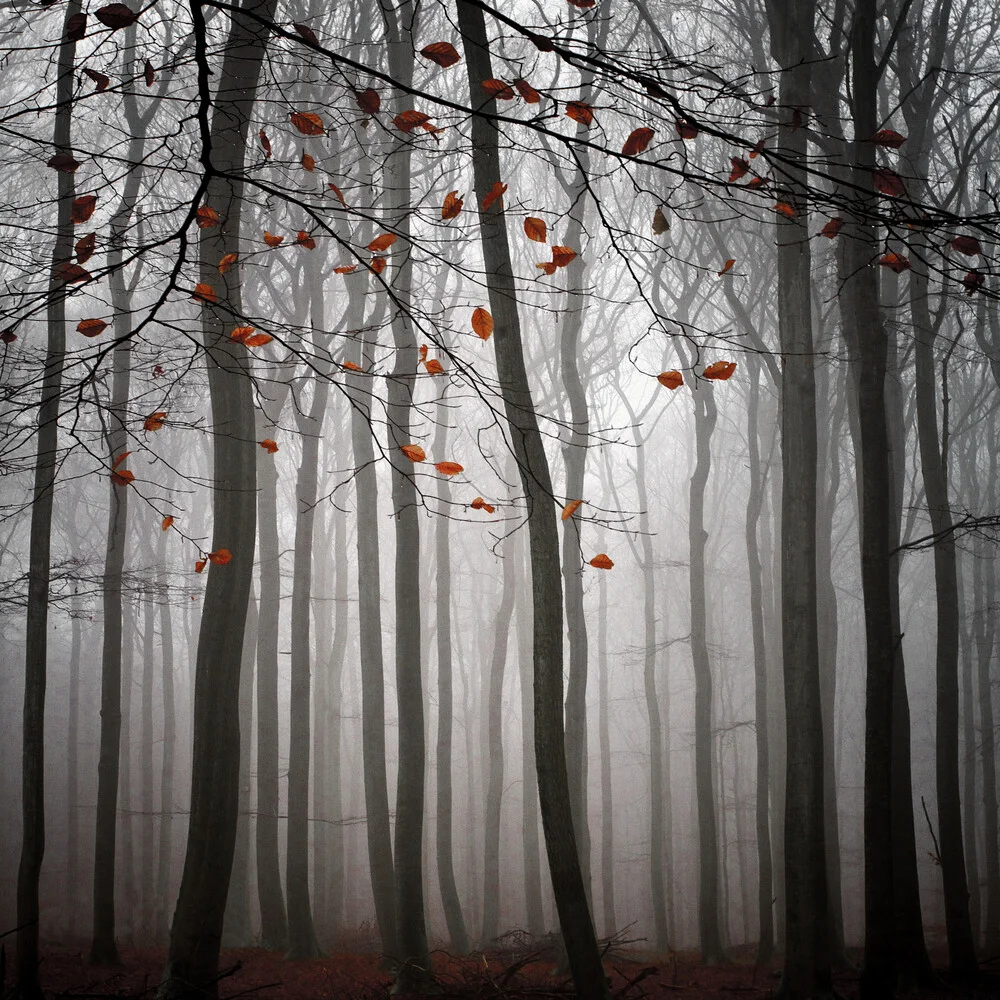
point(968, 245)
point(149, 74)
point(548, 267)
point(157, 371)
point(498, 90)
point(154, 421)
point(76, 28)
point(407, 121)
point(63, 162)
point(494, 193)
point(268, 445)
point(368, 101)
point(71, 273)
point(528, 93)
point(582, 4)
point(220, 557)
point(336, 190)
point(452, 205)
point(758, 182)
point(442, 53)
point(887, 137)
point(307, 33)
point(227, 262)
point(888, 182)
point(240, 333)
point(121, 458)
point(166, 523)
point(204, 293)
point(376, 265)
point(308, 163)
point(83, 208)
point(561, 256)
point(685, 129)
point(351, 366)
point(308, 122)
point(434, 367)
point(601, 561)
point(102, 81)
point(91, 327)
point(719, 370)
point(122, 477)
point(570, 509)
point(895, 262)
point(206, 217)
point(265, 144)
point(345, 269)
point(637, 141)
point(305, 240)
point(480, 504)
point(535, 229)
point(449, 468)
point(727, 267)
point(671, 379)
point(783, 208)
point(258, 340)
point(482, 323)
point(199, 566)
point(660, 224)
point(580, 112)
point(758, 149)
point(116, 15)
point(382, 242)
point(85, 247)
point(973, 281)
point(740, 168)
point(8, 336)
point(423, 352)
point(271, 240)
point(832, 228)
point(413, 452)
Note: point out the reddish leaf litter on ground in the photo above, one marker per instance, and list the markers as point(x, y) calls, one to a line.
point(525, 971)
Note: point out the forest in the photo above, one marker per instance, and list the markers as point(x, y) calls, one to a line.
point(499, 499)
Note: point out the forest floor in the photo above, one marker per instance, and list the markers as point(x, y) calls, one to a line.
point(266, 975)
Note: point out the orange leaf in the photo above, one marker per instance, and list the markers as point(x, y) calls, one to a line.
point(493, 194)
point(452, 205)
point(166, 522)
point(268, 445)
point(413, 452)
point(382, 243)
point(200, 565)
point(535, 229)
point(758, 182)
point(434, 367)
point(206, 217)
point(308, 163)
point(601, 561)
point(305, 240)
point(154, 421)
point(122, 477)
point(528, 93)
point(345, 269)
point(671, 379)
point(832, 228)
point(271, 240)
point(719, 370)
point(686, 130)
point(368, 100)
point(580, 112)
point(895, 262)
point(740, 168)
point(423, 352)
point(407, 121)
point(204, 293)
point(258, 340)
point(442, 53)
point(561, 256)
point(220, 557)
point(308, 122)
point(121, 458)
point(265, 144)
point(570, 509)
point(240, 333)
point(85, 247)
point(482, 323)
point(758, 148)
point(888, 182)
point(498, 90)
point(227, 262)
point(449, 468)
point(548, 267)
point(785, 209)
point(480, 504)
point(376, 265)
point(336, 190)
point(968, 245)
point(351, 366)
point(637, 141)
point(91, 327)
point(887, 137)
point(83, 208)
point(727, 267)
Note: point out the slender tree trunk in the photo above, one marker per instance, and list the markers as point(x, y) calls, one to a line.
point(126, 869)
point(73, 775)
point(196, 932)
point(148, 828)
point(985, 652)
point(550, 751)
point(969, 752)
point(163, 884)
point(604, 735)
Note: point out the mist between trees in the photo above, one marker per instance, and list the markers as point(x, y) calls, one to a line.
point(476, 468)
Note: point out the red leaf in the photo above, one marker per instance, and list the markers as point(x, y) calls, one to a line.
point(336, 190)
point(220, 557)
point(719, 370)
point(116, 15)
point(368, 101)
point(240, 333)
point(206, 217)
point(71, 273)
point(832, 228)
point(122, 477)
point(376, 265)
point(887, 137)
point(580, 112)
point(258, 340)
point(548, 267)
point(148, 74)
point(307, 33)
point(308, 122)
point(76, 28)
point(204, 293)
point(888, 182)
point(727, 267)
point(83, 208)
point(480, 504)
point(265, 144)
point(121, 458)
point(166, 523)
point(498, 90)
point(740, 168)
point(8, 336)
point(637, 141)
point(406, 121)
point(268, 445)
point(345, 269)
point(413, 452)
point(783, 208)
point(154, 421)
point(561, 256)
point(382, 242)
point(895, 262)
point(686, 129)
point(968, 245)
point(448, 468)
point(758, 148)
point(482, 323)
point(85, 247)
point(452, 205)
point(535, 229)
point(528, 93)
point(102, 81)
point(91, 327)
point(305, 240)
point(973, 281)
point(758, 182)
point(63, 162)
point(671, 379)
point(271, 240)
point(493, 195)
point(570, 509)
point(227, 262)
point(308, 163)
point(434, 367)
point(200, 565)
point(601, 561)
point(442, 53)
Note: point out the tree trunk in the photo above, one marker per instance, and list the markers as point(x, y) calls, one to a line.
point(550, 751)
point(604, 735)
point(148, 835)
point(196, 933)
point(163, 884)
point(73, 773)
